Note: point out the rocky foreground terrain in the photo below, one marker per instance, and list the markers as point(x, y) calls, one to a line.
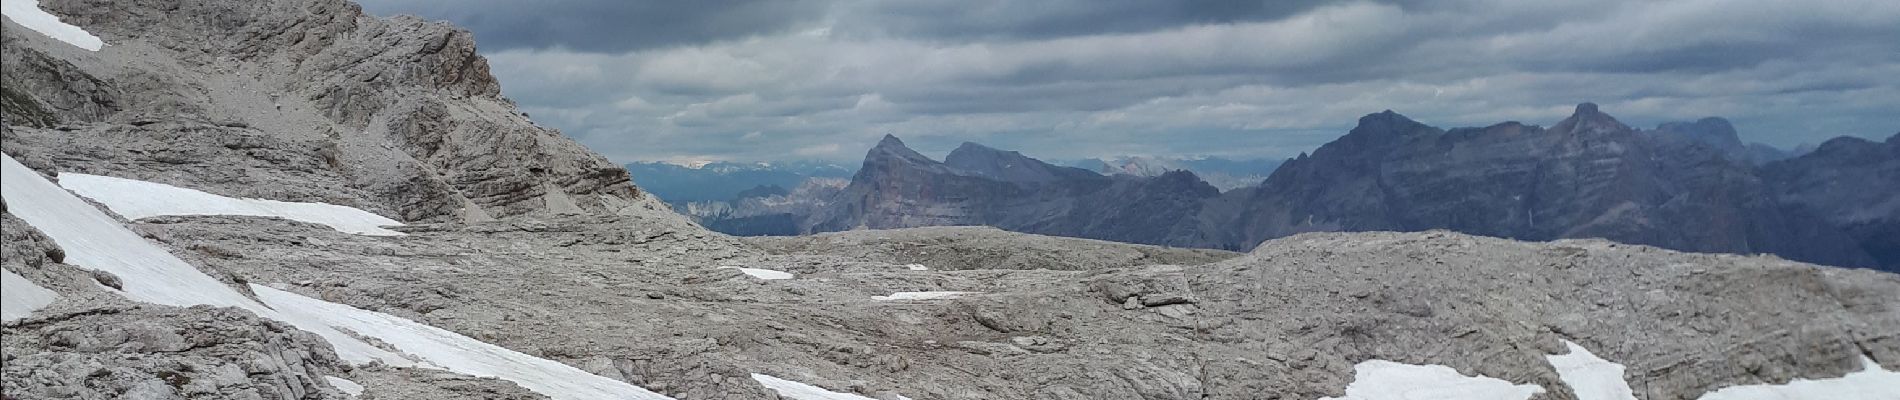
point(526, 267)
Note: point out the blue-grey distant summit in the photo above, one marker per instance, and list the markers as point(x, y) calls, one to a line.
point(1688, 186)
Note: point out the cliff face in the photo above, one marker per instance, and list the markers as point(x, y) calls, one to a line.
point(306, 100)
point(977, 185)
point(1587, 176)
point(1852, 183)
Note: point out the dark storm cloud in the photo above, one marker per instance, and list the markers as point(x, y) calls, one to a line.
point(606, 25)
point(1071, 78)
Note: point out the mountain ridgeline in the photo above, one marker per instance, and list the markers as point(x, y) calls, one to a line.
point(1690, 186)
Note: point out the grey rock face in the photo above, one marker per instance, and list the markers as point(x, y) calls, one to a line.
point(1852, 183)
point(398, 115)
point(1587, 176)
point(976, 248)
point(977, 185)
point(1073, 318)
point(159, 352)
point(91, 343)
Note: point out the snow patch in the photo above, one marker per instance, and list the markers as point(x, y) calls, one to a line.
point(20, 297)
point(917, 267)
point(345, 385)
point(135, 199)
point(28, 13)
point(800, 391)
point(94, 240)
point(1382, 380)
point(1871, 383)
point(760, 273)
point(453, 352)
point(1591, 378)
point(921, 296)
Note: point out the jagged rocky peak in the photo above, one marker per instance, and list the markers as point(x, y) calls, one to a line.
point(1588, 120)
point(890, 147)
point(890, 155)
point(1386, 126)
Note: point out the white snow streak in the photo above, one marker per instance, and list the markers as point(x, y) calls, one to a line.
point(1386, 380)
point(920, 296)
point(1591, 378)
point(454, 352)
point(94, 240)
point(345, 385)
point(20, 297)
point(135, 199)
point(27, 13)
point(150, 274)
point(765, 274)
point(1871, 383)
point(917, 267)
point(800, 391)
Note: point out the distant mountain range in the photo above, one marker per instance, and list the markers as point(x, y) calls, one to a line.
point(1690, 186)
point(680, 183)
point(770, 198)
point(1225, 174)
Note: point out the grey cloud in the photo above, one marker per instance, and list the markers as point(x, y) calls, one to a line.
point(607, 25)
point(1171, 78)
point(987, 20)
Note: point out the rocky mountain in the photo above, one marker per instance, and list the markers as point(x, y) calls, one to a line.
point(1686, 186)
point(679, 184)
point(1223, 173)
point(168, 231)
point(1720, 134)
point(1854, 185)
point(978, 185)
point(765, 210)
point(326, 104)
point(1587, 176)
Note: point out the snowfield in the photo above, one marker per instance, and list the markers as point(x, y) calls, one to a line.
point(760, 273)
point(451, 351)
point(1386, 380)
point(345, 385)
point(1591, 378)
point(94, 240)
point(899, 296)
point(20, 297)
point(28, 13)
point(135, 199)
point(800, 391)
point(1871, 383)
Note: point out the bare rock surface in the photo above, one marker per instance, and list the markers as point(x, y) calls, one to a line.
point(520, 238)
point(623, 299)
point(307, 100)
point(972, 247)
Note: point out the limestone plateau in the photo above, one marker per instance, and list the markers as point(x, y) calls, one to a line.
point(225, 199)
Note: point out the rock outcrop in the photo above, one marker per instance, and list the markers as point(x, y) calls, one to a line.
point(305, 100)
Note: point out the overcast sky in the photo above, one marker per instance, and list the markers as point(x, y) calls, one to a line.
point(822, 79)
